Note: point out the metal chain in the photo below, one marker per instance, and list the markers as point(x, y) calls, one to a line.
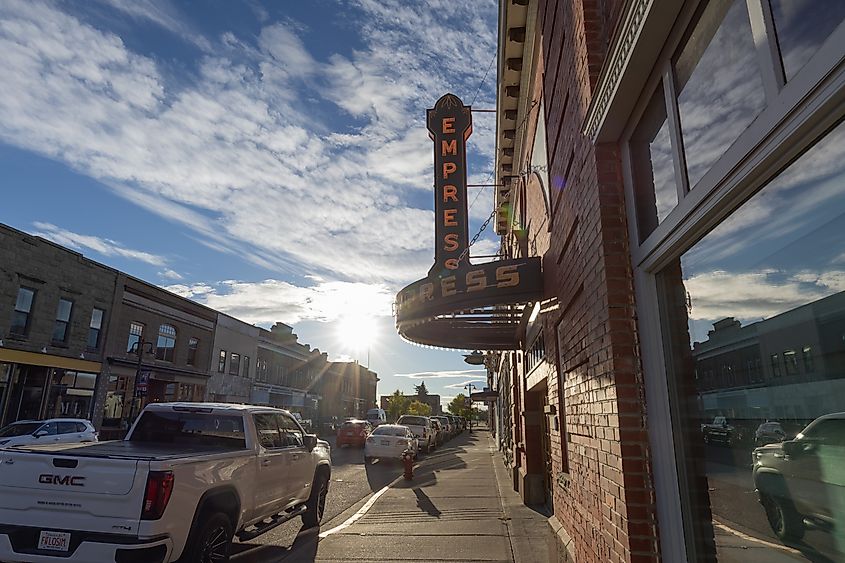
point(475, 238)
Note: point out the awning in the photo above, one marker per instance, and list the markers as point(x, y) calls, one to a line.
point(486, 396)
point(48, 360)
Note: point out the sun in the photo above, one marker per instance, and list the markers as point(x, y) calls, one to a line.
point(357, 331)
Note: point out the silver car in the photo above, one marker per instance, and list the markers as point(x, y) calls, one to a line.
point(54, 430)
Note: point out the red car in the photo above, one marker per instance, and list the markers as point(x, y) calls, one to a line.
point(353, 433)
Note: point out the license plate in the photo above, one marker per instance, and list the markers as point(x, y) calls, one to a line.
point(385, 442)
point(350, 433)
point(54, 541)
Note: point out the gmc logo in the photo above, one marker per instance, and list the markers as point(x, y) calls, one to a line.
point(71, 480)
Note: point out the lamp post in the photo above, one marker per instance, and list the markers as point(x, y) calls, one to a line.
point(469, 387)
point(137, 348)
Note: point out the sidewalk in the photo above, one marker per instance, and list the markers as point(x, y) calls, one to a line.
point(459, 507)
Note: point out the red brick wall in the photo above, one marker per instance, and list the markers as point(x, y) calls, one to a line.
point(605, 499)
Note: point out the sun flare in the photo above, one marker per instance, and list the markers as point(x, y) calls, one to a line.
point(358, 332)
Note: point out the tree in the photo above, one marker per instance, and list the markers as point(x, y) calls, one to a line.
point(397, 405)
point(421, 389)
point(459, 407)
point(419, 409)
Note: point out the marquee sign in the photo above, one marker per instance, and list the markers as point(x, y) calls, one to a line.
point(461, 305)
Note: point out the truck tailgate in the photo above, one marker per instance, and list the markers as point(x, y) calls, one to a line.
point(67, 492)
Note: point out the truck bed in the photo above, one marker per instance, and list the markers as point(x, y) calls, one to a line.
point(122, 449)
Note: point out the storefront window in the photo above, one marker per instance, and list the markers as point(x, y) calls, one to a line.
point(71, 394)
point(763, 454)
point(117, 401)
point(718, 84)
point(802, 26)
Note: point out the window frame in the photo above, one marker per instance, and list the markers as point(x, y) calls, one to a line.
point(193, 346)
point(64, 323)
point(161, 351)
point(16, 311)
point(130, 334)
point(796, 116)
point(98, 329)
point(221, 361)
point(234, 366)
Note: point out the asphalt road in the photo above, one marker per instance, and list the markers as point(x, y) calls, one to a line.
point(351, 483)
point(734, 505)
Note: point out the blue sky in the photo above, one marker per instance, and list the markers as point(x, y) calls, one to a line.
point(268, 159)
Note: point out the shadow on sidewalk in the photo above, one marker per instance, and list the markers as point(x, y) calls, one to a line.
point(304, 549)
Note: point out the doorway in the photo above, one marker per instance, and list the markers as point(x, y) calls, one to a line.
point(26, 392)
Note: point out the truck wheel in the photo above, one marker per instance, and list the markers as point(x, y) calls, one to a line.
point(785, 521)
point(312, 517)
point(212, 542)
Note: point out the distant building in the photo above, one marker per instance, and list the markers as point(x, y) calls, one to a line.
point(348, 390)
point(233, 361)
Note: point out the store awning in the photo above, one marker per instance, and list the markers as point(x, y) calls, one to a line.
point(48, 360)
point(485, 396)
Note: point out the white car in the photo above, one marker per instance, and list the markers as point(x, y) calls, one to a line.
point(52, 431)
point(388, 441)
point(422, 428)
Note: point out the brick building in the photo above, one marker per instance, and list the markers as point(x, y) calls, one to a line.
point(677, 166)
point(233, 360)
point(348, 390)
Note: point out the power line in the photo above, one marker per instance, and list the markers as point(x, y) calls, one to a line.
point(480, 84)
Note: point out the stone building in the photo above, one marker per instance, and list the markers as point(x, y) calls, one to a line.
point(55, 309)
point(234, 358)
point(160, 339)
point(678, 168)
point(348, 389)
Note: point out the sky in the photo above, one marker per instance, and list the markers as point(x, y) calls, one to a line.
point(268, 159)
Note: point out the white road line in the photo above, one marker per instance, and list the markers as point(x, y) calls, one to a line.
point(355, 517)
point(746, 537)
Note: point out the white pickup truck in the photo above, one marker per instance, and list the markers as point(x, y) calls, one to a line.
point(186, 479)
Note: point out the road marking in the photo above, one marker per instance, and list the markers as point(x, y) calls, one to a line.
point(355, 517)
point(746, 537)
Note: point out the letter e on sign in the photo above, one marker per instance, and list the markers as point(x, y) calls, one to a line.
point(448, 125)
point(449, 219)
point(507, 276)
point(447, 286)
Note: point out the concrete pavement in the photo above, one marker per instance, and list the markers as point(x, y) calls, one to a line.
point(459, 507)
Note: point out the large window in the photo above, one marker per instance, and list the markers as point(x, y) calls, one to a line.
point(766, 287)
point(235, 364)
point(71, 394)
point(193, 344)
point(60, 328)
point(246, 366)
point(136, 335)
point(94, 328)
point(166, 344)
point(221, 362)
point(722, 75)
point(23, 310)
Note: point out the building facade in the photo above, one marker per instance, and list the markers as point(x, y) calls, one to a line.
point(55, 309)
point(677, 166)
point(348, 390)
point(234, 357)
point(158, 348)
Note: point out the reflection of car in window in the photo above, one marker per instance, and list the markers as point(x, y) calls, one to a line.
point(801, 482)
point(769, 433)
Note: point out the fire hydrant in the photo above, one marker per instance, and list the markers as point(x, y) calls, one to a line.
point(408, 464)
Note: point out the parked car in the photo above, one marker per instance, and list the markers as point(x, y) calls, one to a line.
point(54, 430)
point(801, 482)
point(456, 423)
point(448, 429)
point(185, 480)
point(353, 433)
point(422, 428)
point(769, 433)
point(439, 435)
point(388, 441)
point(722, 431)
point(376, 417)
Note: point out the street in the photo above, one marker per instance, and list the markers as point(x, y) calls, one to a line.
point(740, 522)
point(351, 483)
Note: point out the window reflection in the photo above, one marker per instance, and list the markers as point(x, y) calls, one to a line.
point(755, 319)
point(651, 159)
point(802, 26)
point(717, 78)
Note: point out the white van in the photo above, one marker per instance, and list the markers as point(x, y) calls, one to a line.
point(376, 416)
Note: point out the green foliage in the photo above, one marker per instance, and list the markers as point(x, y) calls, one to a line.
point(459, 407)
point(419, 409)
point(421, 389)
point(397, 405)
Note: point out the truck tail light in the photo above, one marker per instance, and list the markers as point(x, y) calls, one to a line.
point(157, 495)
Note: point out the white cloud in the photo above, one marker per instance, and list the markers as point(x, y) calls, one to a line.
point(268, 301)
point(461, 385)
point(99, 245)
point(163, 14)
point(169, 274)
point(238, 154)
point(464, 374)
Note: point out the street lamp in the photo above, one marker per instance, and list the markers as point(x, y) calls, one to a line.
point(138, 348)
point(469, 387)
